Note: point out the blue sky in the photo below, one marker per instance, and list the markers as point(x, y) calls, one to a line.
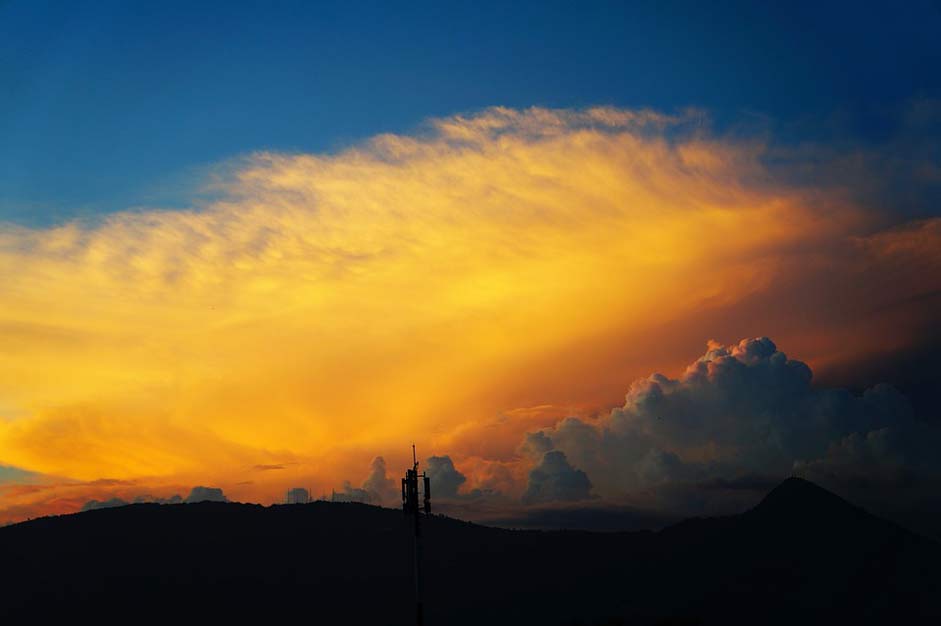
point(110, 105)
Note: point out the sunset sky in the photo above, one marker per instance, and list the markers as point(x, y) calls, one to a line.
point(631, 254)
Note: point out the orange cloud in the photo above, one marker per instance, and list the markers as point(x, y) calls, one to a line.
point(333, 307)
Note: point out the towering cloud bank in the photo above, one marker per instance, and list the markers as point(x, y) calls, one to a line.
point(554, 479)
point(445, 478)
point(381, 488)
point(737, 412)
point(377, 489)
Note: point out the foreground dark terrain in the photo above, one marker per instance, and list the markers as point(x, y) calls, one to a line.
point(802, 556)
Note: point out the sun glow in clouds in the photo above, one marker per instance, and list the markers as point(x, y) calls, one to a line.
point(334, 307)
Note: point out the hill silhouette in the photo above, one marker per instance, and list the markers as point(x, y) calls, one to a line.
point(803, 555)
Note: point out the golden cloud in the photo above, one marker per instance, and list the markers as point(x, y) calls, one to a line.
point(331, 307)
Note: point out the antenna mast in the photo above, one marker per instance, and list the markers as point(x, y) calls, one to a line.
point(410, 495)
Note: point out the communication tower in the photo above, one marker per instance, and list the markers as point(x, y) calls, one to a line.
point(410, 498)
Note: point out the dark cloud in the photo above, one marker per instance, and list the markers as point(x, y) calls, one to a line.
point(377, 488)
point(349, 493)
point(267, 468)
point(554, 479)
point(202, 494)
point(297, 495)
point(536, 444)
point(141, 499)
point(92, 505)
point(898, 455)
point(737, 413)
point(174, 499)
point(445, 478)
point(378, 485)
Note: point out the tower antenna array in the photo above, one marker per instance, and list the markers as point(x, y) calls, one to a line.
point(410, 497)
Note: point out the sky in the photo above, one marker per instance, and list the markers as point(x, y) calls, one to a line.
point(651, 254)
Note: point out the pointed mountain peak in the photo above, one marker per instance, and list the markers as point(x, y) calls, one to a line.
point(798, 497)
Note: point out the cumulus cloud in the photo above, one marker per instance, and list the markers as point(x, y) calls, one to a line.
point(740, 412)
point(894, 455)
point(445, 478)
point(536, 444)
point(92, 505)
point(377, 488)
point(554, 479)
point(349, 493)
point(147, 498)
point(203, 494)
point(378, 485)
point(297, 495)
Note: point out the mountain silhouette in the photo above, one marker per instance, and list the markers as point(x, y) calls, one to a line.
point(793, 496)
point(803, 555)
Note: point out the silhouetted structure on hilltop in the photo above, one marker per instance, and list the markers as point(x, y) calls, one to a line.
point(410, 499)
point(802, 556)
